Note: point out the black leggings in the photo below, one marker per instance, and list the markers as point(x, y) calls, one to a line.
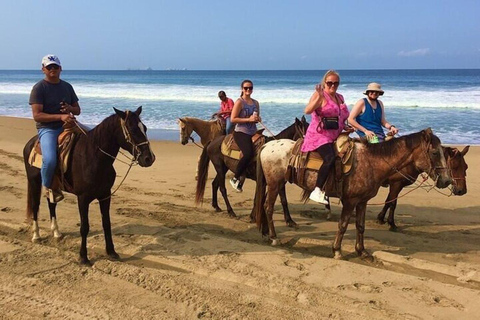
point(327, 153)
point(244, 142)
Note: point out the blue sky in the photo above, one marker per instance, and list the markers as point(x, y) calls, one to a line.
point(241, 35)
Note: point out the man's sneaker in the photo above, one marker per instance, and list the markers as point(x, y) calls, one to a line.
point(318, 195)
point(236, 184)
point(53, 195)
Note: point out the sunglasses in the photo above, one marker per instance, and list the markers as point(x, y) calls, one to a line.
point(374, 92)
point(331, 83)
point(52, 66)
point(248, 88)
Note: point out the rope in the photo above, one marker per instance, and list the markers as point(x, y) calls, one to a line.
point(268, 130)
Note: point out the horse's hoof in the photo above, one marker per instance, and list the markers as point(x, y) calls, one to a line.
point(393, 228)
point(85, 262)
point(337, 255)
point(366, 256)
point(292, 224)
point(380, 221)
point(36, 238)
point(57, 235)
point(217, 209)
point(113, 256)
point(232, 214)
point(275, 242)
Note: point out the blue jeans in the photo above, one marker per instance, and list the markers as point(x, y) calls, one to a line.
point(228, 125)
point(48, 143)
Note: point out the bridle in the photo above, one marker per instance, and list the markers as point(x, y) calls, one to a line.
point(450, 171)
point(128, 138)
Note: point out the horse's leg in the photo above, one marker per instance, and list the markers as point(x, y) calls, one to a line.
point(329, 210)
point(53, 220)
point(33, 205)
point(272, 193)
point(347, 210)
point(392, 198)
point(221, 183)
point(381, 215)
point(83, 205)
point(286, 213)
point(107, 228)
point(360, 224)
point(215, 186)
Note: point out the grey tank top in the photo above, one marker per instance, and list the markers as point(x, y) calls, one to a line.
point(247, 110)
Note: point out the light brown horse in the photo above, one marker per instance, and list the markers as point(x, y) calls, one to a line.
point(206, 130)
point(458, 171)
point(373, 164)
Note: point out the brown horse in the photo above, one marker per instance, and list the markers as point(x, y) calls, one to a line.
point(91, 174)
point(212, 152)
point(458, 171)
point(373, 164)
point(207, 130)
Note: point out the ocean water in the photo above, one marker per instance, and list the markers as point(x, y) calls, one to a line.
point(448, 101)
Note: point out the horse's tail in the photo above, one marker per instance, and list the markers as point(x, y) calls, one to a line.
point(33, 192)
point(203, 164)
point(305, 195)
point(260, 198)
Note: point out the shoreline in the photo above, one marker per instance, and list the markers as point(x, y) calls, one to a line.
point(174, 135)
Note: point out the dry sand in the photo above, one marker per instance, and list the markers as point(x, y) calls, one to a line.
point(179, 261)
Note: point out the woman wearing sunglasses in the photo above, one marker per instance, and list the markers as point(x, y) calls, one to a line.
point(245, 114)
point(368, 115)
point(329, 112)
point(53, 102)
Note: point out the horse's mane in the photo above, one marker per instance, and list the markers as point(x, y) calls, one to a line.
point(390, 147)
point(104, 129)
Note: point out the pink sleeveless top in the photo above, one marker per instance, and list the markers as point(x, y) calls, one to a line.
point(313, 138)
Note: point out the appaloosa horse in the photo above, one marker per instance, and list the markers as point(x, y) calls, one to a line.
point(373, 164)
point(212, 152)
point(90, 173)
point(458, 171)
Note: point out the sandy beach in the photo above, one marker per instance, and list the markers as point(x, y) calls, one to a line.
point(181, 261)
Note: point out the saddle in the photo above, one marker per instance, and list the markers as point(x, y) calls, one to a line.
point(300, 163)
point(230, 148)
point(65, 145)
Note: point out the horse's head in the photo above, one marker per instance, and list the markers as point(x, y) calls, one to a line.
point(458, 169)
point(185, 130)
point(436, 165)
point(301, 127)
point(134, 138)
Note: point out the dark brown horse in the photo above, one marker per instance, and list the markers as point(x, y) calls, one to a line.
point(458, 171)
point(373, 164)
point(212, 152)
point(91, 174)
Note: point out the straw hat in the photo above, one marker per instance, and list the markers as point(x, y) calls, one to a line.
point(374, 87)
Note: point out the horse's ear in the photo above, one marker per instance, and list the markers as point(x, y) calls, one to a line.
point(138, 111)
point(304, 119)
point(182, 120)
point(428, 133)
point(465, 150)
point(297, 121)
point(120, 113)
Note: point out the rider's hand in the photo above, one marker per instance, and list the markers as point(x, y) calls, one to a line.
point(369, 134)
point(393, 130)
point(67, 117)
point(65, 107)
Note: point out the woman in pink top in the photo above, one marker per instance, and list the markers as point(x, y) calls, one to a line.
point(325, 103)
